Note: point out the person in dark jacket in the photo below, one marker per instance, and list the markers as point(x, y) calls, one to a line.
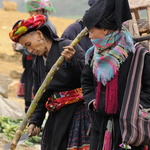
point(75, 28)
point(68, 119)
point(105, 73)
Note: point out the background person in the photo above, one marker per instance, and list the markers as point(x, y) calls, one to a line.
point(41, 7)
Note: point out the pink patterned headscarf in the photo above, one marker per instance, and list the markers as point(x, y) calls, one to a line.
point(24, 25)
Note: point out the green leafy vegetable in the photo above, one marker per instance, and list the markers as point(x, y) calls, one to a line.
point(8, 127)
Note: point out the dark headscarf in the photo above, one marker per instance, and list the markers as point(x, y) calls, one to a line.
point(108, 14)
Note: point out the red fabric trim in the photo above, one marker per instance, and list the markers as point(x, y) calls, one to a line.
point(21, 90)
point(83, 148)
point(29, 57)
point(111, 98)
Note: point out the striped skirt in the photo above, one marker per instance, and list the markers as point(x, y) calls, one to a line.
point(78, 138)
point(70, 132)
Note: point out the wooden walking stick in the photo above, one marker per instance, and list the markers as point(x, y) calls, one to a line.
point(42, 89)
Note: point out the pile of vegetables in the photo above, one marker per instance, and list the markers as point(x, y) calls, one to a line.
point(8, 127)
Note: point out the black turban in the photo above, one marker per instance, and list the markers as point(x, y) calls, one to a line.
point(108, 14)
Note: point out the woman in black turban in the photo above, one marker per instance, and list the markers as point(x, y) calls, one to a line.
point(105, 73)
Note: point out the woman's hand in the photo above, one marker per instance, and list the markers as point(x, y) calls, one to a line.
point(68, 53)
point(33, 130)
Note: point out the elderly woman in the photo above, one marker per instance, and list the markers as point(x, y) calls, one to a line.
point(105, 73)
point(38, 7)
point(68, 118)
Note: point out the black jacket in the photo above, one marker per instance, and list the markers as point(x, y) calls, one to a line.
point(89, 84)
point(66, 78)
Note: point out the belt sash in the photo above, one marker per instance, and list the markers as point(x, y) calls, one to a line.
point(61, 99)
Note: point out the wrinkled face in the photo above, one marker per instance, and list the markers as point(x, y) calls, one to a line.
point(34, 43)
point(96, 33)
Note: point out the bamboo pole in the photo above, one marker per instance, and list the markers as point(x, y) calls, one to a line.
point(141, 38)
point(41, 90)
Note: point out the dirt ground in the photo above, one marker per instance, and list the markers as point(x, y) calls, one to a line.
point(20, 147)
point(11, 61)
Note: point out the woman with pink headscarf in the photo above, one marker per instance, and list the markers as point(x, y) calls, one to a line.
point(39, 7)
